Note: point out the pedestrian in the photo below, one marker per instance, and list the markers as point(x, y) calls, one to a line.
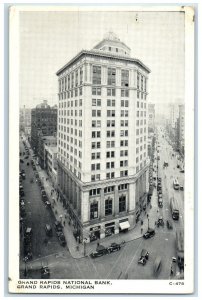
point(98, 244)
point(141, 230)
point(64, 223)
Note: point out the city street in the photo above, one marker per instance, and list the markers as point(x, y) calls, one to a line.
point(37, 215)
point(122, 264)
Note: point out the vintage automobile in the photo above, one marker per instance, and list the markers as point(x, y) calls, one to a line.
point(62, 240)
point(48, 230)
point(48, 204)
point(181, 188)
point(160, 222)
point(100, 251)
point(143, 257)
point(45, 272)
point(58, 226)
point(150, 233)
point(114, 247)
point(169, 224)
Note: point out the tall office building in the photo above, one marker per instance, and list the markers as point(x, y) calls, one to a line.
point(102, 139)
point(43, 123)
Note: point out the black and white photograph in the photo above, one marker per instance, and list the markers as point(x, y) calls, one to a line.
point(101, 123)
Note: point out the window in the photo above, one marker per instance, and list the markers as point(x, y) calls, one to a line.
point(138, 81)
point(124, 93)
point(110, 123)
point(110, 165)
point(124, 78)
point(95, 155)
point(110, 154)
point(111, 133)
point(122, 203)
point(94, 192)
point(81, 75)
point(110, 102)
point(123, 173)
point(95, 145)
point(109, 189)
point(96, 102)
point(72, 85)
point(76, 78)
point(95, 167)
point(96, 134)
point(96, 123)
point(111, 76)
point(111, 92)
point(110, 113)
point(122, 187)
point(124, 153)
point(94, 210)
point(123, 163)
point(96, 74)
point(108, 207)
point(96, 113)
point(96, 91)
point(80, 91)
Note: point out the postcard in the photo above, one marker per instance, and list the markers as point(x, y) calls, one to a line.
point(101, 149)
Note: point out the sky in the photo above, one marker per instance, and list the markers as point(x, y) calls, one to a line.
point(48, 40)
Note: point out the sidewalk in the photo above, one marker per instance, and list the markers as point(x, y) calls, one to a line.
point(77, 250)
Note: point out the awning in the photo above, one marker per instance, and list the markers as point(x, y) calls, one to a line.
point(124, 225)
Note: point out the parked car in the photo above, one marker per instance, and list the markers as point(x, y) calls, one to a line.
point(48, 204)
point(22, 161)
point(169, 224)
point(45, 272)
point(114, 247)
point(181, 188)
point(160, 222)
point(58, 226)
point(28, 232)
point(48, 230)
point(150, 233)
point(62, 240)
point(143, 257)
point(100, 251)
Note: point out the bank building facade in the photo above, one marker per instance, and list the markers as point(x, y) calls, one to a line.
point(102, 139)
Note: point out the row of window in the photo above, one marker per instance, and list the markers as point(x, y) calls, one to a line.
point(75, 131)
point(71, 94)
point(111, 113)
point(111, 102)
point(108, 207)
point(71, 103)
point(97, 92)
point(70, 80)
point(95, 192)
point(97, 134)
point(76, 78)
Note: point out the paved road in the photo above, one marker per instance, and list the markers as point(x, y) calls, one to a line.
point(37, 215)
point(119, 265)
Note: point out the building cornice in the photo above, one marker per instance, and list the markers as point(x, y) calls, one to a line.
point(94, 53)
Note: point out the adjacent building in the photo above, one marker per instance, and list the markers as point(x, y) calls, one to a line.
point(50, 162)
point(102, 139)
point(50, 141)
point(43, 123)
point(181, 129)
point(25, 120)
point(151, 117)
